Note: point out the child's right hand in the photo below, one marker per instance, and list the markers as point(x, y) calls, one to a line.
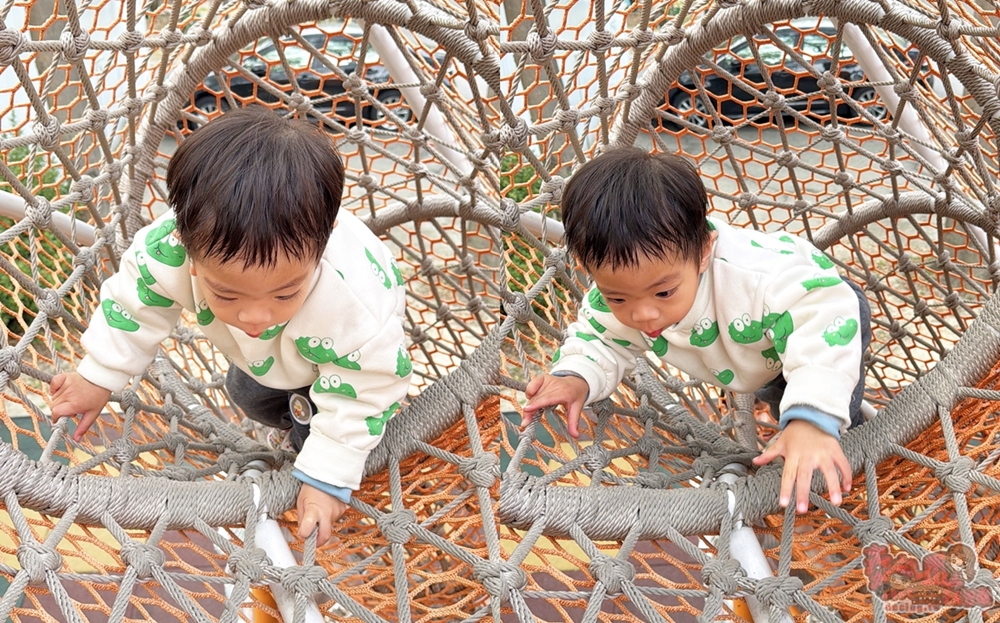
point(549, 391)
point(73, 394)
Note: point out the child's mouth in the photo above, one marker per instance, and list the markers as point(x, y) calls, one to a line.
point(655, 334)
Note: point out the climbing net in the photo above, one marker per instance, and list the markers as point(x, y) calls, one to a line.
point(870, 130)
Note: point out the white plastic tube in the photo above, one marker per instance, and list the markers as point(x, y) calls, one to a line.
point(13, 207)
point(744, 547)
point(270, 539)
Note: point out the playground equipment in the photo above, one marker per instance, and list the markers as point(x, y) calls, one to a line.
point(869, 128)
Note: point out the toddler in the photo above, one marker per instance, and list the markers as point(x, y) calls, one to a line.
point(305, 301)
point(743, 310)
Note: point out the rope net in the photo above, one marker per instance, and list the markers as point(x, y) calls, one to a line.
point(869, 130)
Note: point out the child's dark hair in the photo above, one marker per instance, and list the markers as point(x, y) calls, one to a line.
point(252, 185)
point(627, 203)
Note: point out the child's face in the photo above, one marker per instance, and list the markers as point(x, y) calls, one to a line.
point(254, 298)
point(655, 294)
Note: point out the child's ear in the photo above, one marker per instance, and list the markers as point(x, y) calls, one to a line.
point(194, 272)
point(706, 253)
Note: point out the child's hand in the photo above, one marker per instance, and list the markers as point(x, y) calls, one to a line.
point(73, 394)
point(317, 507)
point(806, 448)
point(548, 391)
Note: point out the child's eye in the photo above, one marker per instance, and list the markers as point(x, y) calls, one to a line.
point(665, 294)
point(225, 299)
point(288, 297)
point(616, 301)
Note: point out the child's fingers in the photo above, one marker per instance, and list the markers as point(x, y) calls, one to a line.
point(308, 519)
point(770, 453)
point(787, 482)
point(832, 483)
point(56, 385)
point(573, 419)
point(325, 531)
point(85, 422)
point(533, 386)
point(803, 484)
point(846, 476)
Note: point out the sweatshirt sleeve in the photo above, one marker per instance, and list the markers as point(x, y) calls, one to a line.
point(813, 320)
point(599, 348)
point(355, 395)
point(135, 313)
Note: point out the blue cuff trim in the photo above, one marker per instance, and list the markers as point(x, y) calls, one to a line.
point(341, 493)
point(823, 421)
point(571, 373)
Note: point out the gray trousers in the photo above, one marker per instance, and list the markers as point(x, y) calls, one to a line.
point(268, 406)
point(773, 391)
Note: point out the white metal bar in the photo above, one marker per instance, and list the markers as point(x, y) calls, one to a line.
point(13, 207)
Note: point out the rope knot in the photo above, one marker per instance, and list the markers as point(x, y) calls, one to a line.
point(773, 101)
point(39, 213)
point(142, 557)
point(831, 134)
point(85, 257)
point(249, 564)
point(649, 446)
point(396, 525)
point(130, 401)
point(955, 475)
point(482, 470)
point(674, 35)
point(171, 38)
point(540, 48)
point(567, 119)
point(746, 201)
point(920, 308)
point(640, 38)
point(74, 46)
point(114, 172)
point(600, 40)
point(949, 30)
point(11, 42)
point(178, 473)
point(514, 136)
point(723, 575)
point(38, 559)
point(510, 218)
point(123, 450)
point(874, 530)
point(554, 186)
point(723, 134)
point(175, 442)
point(605, 105)
point(611, 572)
point(952, 300)
point(299, 103)
point(303, 580)
point(481, 30)
point(518, 307)
point(83, 187)
point(431, 92)
point(841, 178)
point(200, 35)
point(10, 362)
point(778, 592)
point(830, 84)
point(595, 458)
point(787, 159)
point(130, 41)
point(499, 578)
point(47, 133)
point(444, 313)
point(355, 136)
point(474, 305)
point(49, 303)
point(556, 259)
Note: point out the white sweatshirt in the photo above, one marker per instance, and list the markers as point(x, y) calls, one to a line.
point(346, 342)
point(766, 305)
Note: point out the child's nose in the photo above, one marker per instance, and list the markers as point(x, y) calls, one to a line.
point(255, 315)
point(645, 313)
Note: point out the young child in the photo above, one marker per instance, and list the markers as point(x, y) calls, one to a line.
point(740, 309)
point(305, 302)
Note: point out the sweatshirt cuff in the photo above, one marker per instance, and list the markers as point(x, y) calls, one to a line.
point(330, 461)
point(111, 380)
point(832, 398)
point(563, 373)
point(341, 493)
point(589, 371)
point(823, 421)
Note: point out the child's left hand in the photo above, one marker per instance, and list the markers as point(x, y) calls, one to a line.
point(317, 507)
point(806, 448)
